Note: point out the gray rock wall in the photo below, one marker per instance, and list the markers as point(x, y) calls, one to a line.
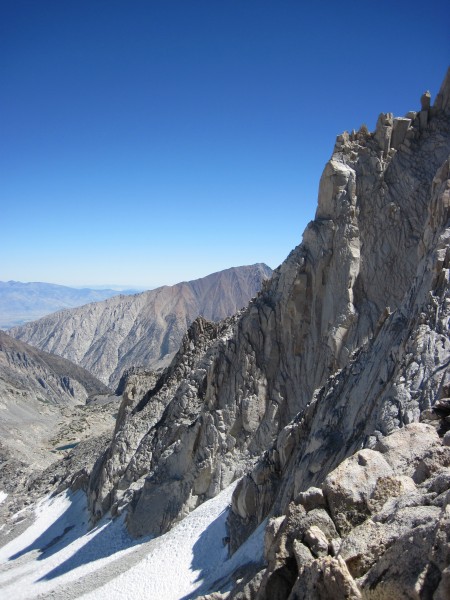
point(345, 344)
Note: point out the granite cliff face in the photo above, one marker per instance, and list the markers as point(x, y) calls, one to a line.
point(127, 331)
point(346, 344)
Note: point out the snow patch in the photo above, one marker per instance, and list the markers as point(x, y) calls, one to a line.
point(3, 496)
point(180, 561)
point(58, 548)
point(59, 556)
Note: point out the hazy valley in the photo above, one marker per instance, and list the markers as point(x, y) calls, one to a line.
point(22, 302)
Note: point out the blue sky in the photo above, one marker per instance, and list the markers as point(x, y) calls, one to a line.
point(148, 142)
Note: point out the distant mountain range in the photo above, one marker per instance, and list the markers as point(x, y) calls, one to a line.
point(144, 329)
point(23, 302)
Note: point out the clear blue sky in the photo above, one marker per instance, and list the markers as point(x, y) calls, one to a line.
point(148, 142)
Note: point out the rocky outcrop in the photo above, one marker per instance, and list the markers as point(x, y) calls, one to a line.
point(378, 527)
point(346, 345)
point(397, 373)
point(144, 329)
point(157, 438)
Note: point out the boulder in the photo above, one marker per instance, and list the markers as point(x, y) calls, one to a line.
point(405, 448)
point(316, 541)
point(312, 498)
point(323, 579)
point(348, 488)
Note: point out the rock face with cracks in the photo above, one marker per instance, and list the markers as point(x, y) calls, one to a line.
point(328, 396)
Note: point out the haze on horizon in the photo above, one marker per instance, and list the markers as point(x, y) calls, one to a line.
point(147, 143)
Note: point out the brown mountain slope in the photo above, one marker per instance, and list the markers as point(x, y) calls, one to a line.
point(110, 336)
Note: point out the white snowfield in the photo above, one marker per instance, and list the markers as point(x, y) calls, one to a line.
point(58, 557)
point(3, 496)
